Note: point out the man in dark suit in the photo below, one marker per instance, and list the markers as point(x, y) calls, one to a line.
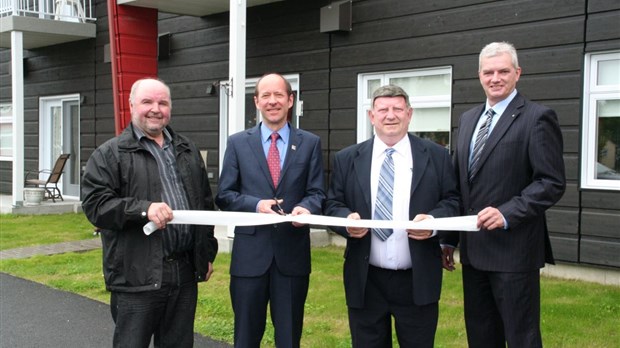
point(510, 172)
point(394, 273)
point(271, 167)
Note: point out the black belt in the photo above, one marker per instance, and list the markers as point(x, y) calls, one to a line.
point(387, 269)
point(176, 257)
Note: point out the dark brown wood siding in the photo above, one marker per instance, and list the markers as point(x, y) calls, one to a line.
point(551, 36)
point(54, 70)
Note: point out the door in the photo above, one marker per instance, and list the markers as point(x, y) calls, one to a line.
point(59, 132)
point(253, 116)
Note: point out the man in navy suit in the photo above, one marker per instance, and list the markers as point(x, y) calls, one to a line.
point(509, 183)
point(398, 276)
point(271, 263)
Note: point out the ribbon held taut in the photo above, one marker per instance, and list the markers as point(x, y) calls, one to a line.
point(228, 218)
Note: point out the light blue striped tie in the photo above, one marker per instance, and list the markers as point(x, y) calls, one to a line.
point(385, 195)
point(481, 139)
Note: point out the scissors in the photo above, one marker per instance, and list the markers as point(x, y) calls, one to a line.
point(279, 207)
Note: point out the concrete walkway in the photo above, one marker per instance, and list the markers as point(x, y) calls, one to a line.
point(49, 249)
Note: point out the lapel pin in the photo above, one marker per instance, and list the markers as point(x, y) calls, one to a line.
point(293, 147)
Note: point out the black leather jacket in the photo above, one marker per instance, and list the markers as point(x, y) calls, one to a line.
point(121, 180)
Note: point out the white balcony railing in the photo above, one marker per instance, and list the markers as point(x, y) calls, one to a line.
point(63, 10)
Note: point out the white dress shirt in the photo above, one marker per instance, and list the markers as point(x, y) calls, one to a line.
point(392, 253)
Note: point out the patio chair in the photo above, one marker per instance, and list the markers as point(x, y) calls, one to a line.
point(51, 184)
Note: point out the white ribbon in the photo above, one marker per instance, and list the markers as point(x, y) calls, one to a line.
point(228, 218)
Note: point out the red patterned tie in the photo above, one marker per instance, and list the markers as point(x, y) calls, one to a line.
point(273, 159)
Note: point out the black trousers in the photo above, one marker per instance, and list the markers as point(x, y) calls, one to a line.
point(166, 314)
point(502, 307)
point(389, 293)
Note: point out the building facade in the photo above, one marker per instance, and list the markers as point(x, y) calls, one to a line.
point(569, 52)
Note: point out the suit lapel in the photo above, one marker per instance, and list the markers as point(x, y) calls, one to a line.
point(420, 161)
point(466, 132)
point(361, 167)
point(256, 145)
point(294, 143)
point(508, 117)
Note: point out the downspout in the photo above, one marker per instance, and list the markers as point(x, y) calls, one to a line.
point(113, 30)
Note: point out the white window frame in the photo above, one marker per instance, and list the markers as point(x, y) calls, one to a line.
point(364, 128)
point(6, 116)
point(592, 94)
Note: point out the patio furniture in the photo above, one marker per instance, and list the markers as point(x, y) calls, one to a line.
point(51, 184)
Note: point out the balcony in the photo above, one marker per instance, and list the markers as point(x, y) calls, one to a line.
point(190, 7)
point(46, 22)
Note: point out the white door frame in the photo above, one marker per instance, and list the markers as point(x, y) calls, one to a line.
point(48, 154)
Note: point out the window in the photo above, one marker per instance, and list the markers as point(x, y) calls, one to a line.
point(430, 93)
point(253, 116)
point(6, 132)
point(600, 160)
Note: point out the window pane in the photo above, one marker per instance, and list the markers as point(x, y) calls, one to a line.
point(420, 86)
point(430, 120)
point(74, 163)
point(251, 113)
point(56, 112)
point(372, 86)
point(429, 93)
point(608, 72)
point(6, 136)
point(6, 130)
point(441, 138)
point(6, 110)
point(608, 154)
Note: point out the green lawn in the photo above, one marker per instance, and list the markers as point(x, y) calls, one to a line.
point(17, 231)
point(574, 313)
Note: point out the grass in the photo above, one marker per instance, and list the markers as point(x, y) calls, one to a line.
point(18, 231)
point(574, 313)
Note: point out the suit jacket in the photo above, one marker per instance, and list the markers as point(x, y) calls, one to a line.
point(521, 174)
point(433, 191)
point(245, 179)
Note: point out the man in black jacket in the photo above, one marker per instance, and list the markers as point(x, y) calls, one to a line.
point(139, 176)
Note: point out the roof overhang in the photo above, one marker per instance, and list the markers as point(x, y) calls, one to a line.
point(197, 8)
point(39, 32)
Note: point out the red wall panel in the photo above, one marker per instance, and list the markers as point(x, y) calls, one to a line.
point(133, 43)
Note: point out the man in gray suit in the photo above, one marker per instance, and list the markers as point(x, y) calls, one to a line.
point(510, 168)
point(271, 168)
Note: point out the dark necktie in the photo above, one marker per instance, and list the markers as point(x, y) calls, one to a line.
point(273, 159)
point(481, 139)
point(385, 195)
